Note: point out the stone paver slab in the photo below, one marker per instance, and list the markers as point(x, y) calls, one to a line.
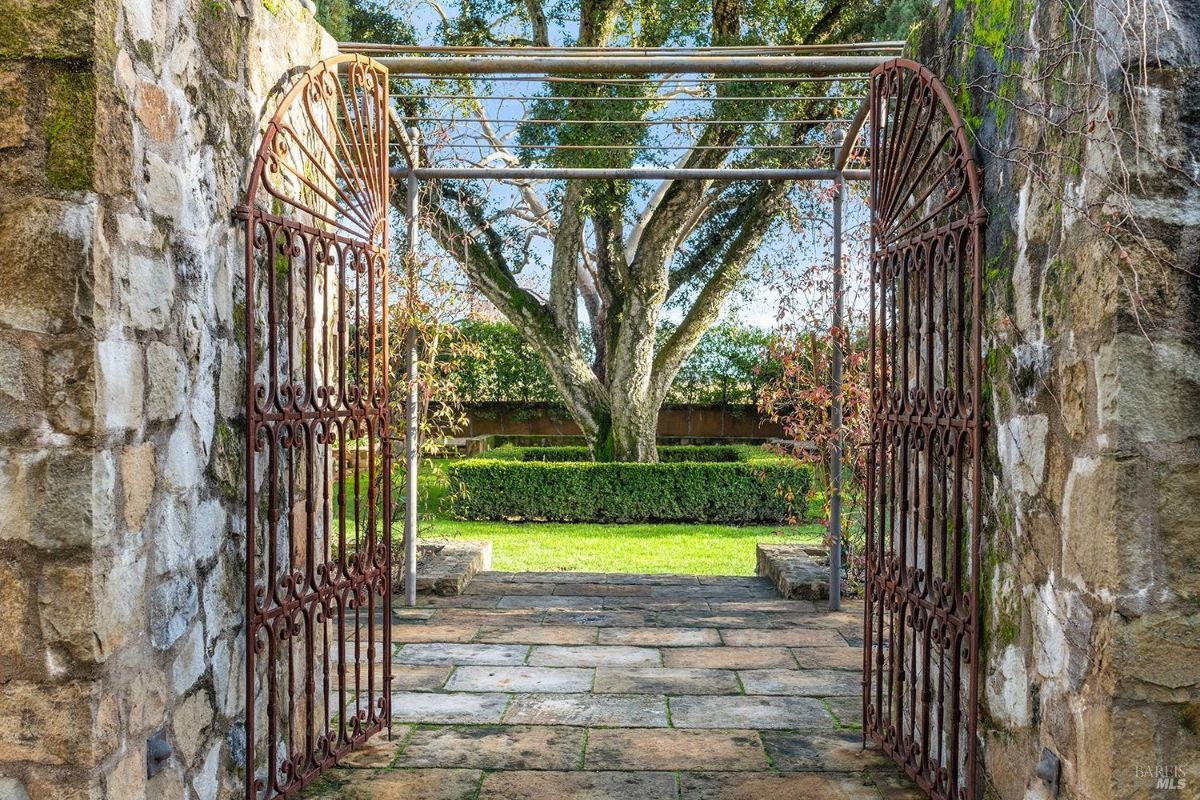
point(652, 580)
point(433, 633)
point(600, 618)
point(655, 603)
point(445, 708)
point(460, 601)
point(660, 637)
point(787, 637)
point(496, 588)
point(764, 604)
point(410, 678)
point(377, 751)
point(550, 601)
point(603, 589)
point(706, 619)
point(374, 784)
point(578, 786)
point(810, 682)
point(829, 657)
point(661, 680)
point(487, 617)
point(671, 749)
point(792, 786)
point(758, 713)
point(520, 679)
point(808, 751)
point(494, 747)
point(729, 657)
point(450, 653)
point(608, 710)
point(593, 656)
point(538, 634)
point(848, 710)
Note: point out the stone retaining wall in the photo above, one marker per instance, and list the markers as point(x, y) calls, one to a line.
point(1091, 594)
point(126, 129)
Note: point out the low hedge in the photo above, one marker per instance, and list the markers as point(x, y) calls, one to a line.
point(689, 491)
point(671, 453)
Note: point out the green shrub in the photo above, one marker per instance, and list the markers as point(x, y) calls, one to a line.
point(687, 491)
point(666, 453)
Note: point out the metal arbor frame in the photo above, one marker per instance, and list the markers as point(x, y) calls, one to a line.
point(901, 596)
point(318, 562)
point(824, 65)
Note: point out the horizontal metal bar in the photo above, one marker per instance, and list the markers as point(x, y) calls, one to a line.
point(593, 81)
point(660, 98)
point(630, 173)
point(621, 64)
point(489, 50)
point(627, 122)
point(657, 148)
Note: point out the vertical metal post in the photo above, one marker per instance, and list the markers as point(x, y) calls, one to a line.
point(412, 455)
point(835, 460)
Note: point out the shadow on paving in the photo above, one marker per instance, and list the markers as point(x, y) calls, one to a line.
point(540, 686)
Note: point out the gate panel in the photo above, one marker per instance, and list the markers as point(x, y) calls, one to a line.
point(920, 662)
point(318, 486)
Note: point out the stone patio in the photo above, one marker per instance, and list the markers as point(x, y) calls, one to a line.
point(540, 686)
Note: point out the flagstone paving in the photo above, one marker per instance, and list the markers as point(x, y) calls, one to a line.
point(541, 686)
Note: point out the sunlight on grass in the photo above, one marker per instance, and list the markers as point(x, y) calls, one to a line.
point(690, 549)
point(695, 549)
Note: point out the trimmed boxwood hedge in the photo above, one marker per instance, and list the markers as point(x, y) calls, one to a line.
point(688, 491)
point(670, 453)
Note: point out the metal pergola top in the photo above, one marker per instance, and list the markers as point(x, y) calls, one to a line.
point(688, 74)
point(465, 147)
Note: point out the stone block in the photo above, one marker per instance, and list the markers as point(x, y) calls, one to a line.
point(593, 656)
point(508, 747)
point(520, 679)
point(138, 476)
point(793, 786)
point(538, 634)
point(427, 784)
point(607, 710)
point(165, 376)
point(457, 708)
point(672, 749)
point(49, 724)
point(148, 288)
point(14, 96)
point(67, 610)
point(173, 605)
point(535, 785)
point(461, 654)
point(50, 29)
point(61, 500)
point(809, 682)
point(20, 641)
point(664, 680)
point(755, 713)
point(660, 637)
point(447, 567)
point(788, 637)
point(189, 721)
point(120, 384)
point(33, 234)
point(729, 657)
point(795, 575)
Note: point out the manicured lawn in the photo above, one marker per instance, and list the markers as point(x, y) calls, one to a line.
point(690, 549)
point(699, 549)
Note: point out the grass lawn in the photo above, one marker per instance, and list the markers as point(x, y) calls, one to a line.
point(699, 549)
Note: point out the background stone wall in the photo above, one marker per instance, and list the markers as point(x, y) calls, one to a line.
point(1092, 537)
point(126, 130)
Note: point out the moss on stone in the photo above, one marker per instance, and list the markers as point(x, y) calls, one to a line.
point(70, 130)
point(52, 29)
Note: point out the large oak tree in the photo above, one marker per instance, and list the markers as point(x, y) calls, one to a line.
point(622, 252)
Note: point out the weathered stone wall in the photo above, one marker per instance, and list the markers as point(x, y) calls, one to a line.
point(126, 129)
point(1090, 147)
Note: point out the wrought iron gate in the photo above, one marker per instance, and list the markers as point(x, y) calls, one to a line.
point(318, 487)
point(920, 662)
